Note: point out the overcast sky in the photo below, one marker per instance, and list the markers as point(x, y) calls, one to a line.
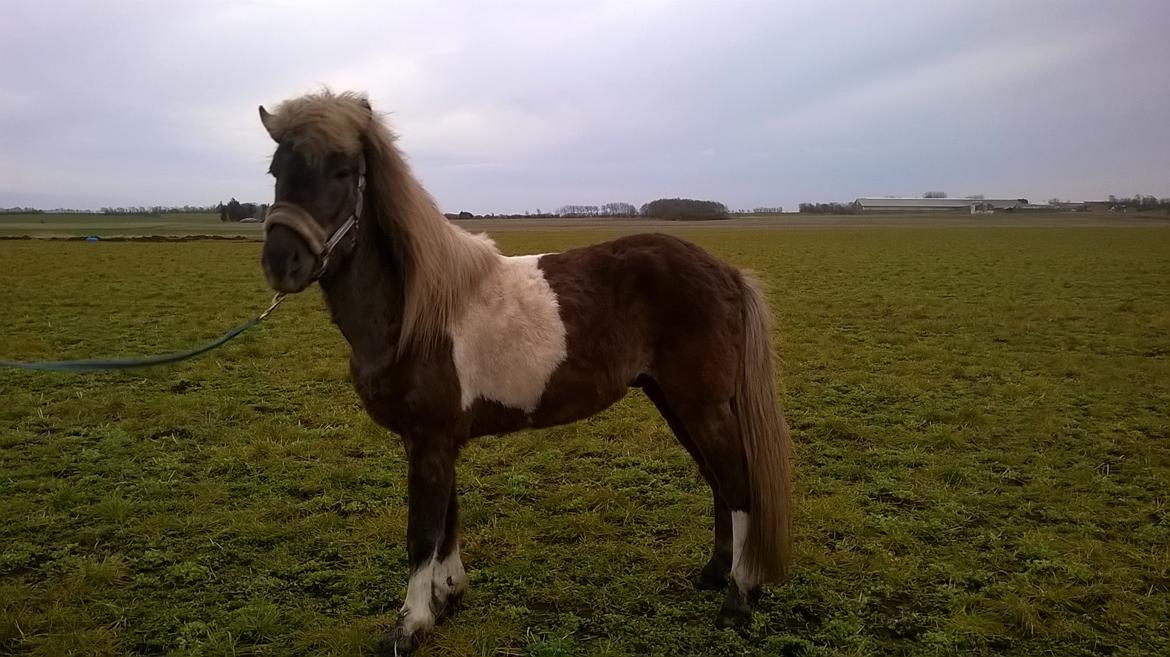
point(513, 106)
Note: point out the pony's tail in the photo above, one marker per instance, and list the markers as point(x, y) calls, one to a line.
point(767, 550)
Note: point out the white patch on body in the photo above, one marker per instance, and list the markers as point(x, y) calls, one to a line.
point(740, 520)
point(510, 339)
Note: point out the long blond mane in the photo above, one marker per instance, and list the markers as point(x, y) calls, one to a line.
point(441, 263)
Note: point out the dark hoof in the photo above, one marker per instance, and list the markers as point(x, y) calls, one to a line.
point(397, 643)
point(454, 601)
point(737, 608)
point(713, 576)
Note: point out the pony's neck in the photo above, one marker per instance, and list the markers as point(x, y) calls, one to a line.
point(365, 297)
point(442, 263)
point(411, 272)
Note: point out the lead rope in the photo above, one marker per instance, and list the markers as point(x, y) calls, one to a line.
point(105, 364)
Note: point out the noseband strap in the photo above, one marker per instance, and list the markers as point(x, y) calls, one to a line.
point(300, 222)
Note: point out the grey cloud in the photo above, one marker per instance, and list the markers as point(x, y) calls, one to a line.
point(514, 106)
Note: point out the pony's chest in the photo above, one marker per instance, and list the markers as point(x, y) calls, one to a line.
point(510, 338)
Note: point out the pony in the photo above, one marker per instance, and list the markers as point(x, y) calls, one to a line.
point(450, 340)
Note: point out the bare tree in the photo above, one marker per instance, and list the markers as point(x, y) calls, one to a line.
point(618, 209)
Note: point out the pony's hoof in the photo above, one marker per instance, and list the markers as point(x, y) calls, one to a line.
point(397, 643)
point(713, 577)
point(737, 609)
point(733, 617)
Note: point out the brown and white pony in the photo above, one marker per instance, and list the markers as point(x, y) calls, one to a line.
point(451, 340)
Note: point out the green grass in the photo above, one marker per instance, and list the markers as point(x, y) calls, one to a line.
point(983, 465)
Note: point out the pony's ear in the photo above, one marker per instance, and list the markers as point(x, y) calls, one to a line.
point(266, 119)
point(365, 103)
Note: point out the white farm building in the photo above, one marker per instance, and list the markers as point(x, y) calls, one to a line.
point(972, 205)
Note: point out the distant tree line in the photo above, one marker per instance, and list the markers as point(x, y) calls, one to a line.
point(615, 209)
point(1135, 203)
point(153, 210)
point(831, 208)
point(158, 210)
point(1140, 203)
point(233, 210)
point(684, 208)
point(663, 208)
point(527, 214)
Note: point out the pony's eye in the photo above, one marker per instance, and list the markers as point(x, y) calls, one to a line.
point(341, 174)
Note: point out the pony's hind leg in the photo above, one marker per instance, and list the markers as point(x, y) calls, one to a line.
point(714, 432)
point(714, 574)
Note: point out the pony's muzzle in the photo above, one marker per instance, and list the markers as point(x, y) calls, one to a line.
point(294, 245)
point(288, 263)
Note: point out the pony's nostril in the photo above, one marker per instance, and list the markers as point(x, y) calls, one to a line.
point(287, 264)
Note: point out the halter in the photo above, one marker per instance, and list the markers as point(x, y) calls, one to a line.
point(299, 221)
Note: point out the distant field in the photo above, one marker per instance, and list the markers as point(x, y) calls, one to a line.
point(74, 225)
point(171, 225)
point(983, 464)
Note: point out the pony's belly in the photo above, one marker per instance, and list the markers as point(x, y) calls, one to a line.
point(574, 392)
point(572, 397)
point(492, 418)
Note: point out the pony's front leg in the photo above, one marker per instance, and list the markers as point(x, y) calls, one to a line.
point(432, 545)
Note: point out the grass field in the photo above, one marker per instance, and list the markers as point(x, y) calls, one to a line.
point(74, 225)
point(983, 464)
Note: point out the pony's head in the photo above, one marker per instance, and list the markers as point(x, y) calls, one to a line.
point(328, 146)
point(320, 169)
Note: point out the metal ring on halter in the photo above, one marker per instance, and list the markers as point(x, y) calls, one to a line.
point(299, 221)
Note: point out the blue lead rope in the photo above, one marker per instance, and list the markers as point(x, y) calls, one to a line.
point(103, 364)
